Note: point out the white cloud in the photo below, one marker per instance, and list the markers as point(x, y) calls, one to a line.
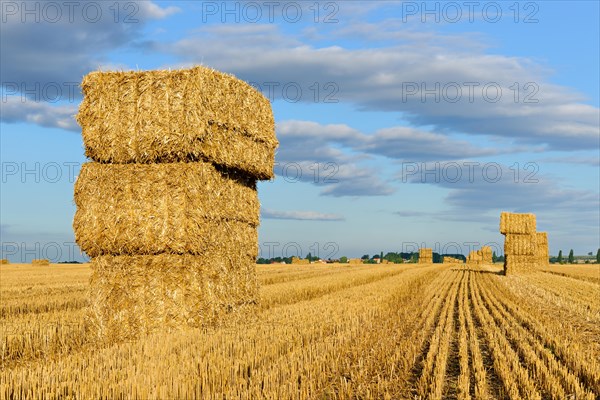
point(15, 109)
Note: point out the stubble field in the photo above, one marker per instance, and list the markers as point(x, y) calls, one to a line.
point(402, 331)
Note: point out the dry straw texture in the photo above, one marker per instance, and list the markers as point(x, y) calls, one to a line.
point(517, 223)
point(543, 256)
point(182, 115)
point(425, 256)
point(296, 260)
point(126, 209)
point(520, 244)
point(355, 261)
point(451, 260)
point(40, 262)
point(134, 295)
point(4, 261)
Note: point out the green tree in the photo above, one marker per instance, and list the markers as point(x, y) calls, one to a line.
point(598, 256)
point(365, 257)
point(344, 260)
point(309, 257)
point(494, 257)
point(381, 256)
point(571, 257)
point(559, 259)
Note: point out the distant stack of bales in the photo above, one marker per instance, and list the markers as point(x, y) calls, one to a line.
point(481, 256)
point(522, 252)
point(296, 260)
point(4, 261)
point(40, 262)
point(451, 260)
point(425, 256)
point(168, 208)
point(355, 261)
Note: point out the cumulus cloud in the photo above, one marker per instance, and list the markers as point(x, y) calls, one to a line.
point(447, 86)
point(71, 39)
point(16, 110)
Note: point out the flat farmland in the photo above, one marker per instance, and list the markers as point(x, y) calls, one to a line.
point(405, 331)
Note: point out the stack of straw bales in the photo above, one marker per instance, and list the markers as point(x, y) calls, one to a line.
point(168, 208)
point(4, 261)
point(481, 256)
point(40, 262)
point(451, 260)
point(296, 260)
point(355, 261)
point(425, 256)
point(520, 242)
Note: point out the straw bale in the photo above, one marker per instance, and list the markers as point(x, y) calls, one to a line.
point(543, 256)
point(296, 260)
point(520, 244)
point(451, 260)
point(517, 223)
point(135, 295)
point(486, 253)
point(355, 261)
point(519, 264)
point(4, 261)
point(425, 256)
point(181, 115)
point(40, 262)
point(126, 209)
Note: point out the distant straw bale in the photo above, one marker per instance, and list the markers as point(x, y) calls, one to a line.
point(134, 295)
point(451, 260)
point(40, 262)
point(296, 260)
point(155, 208)
point(181, 115)
point(4, 261)
point(355, 261)
point(425, 256)
point(521, 253)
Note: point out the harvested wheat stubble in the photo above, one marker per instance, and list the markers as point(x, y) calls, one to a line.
point(40, 261)
point(154, 208)
point(135, 295)
point(517, 223)
point(181, 115)
point(543, 256)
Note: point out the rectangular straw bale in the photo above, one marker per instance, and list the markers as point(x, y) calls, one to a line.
point(4, 261)
point(296, 260)
point(520, 244)
point(355, 261)
point(180, 115)
point(131, 296)
point(155, 208)
point(543, 256)
point(517, 223)
point(450, 260)
point(425, 256)
point(486, 253)
point(40, 262)
point(516, 264)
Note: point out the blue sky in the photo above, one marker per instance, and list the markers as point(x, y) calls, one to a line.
point(401, 124)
